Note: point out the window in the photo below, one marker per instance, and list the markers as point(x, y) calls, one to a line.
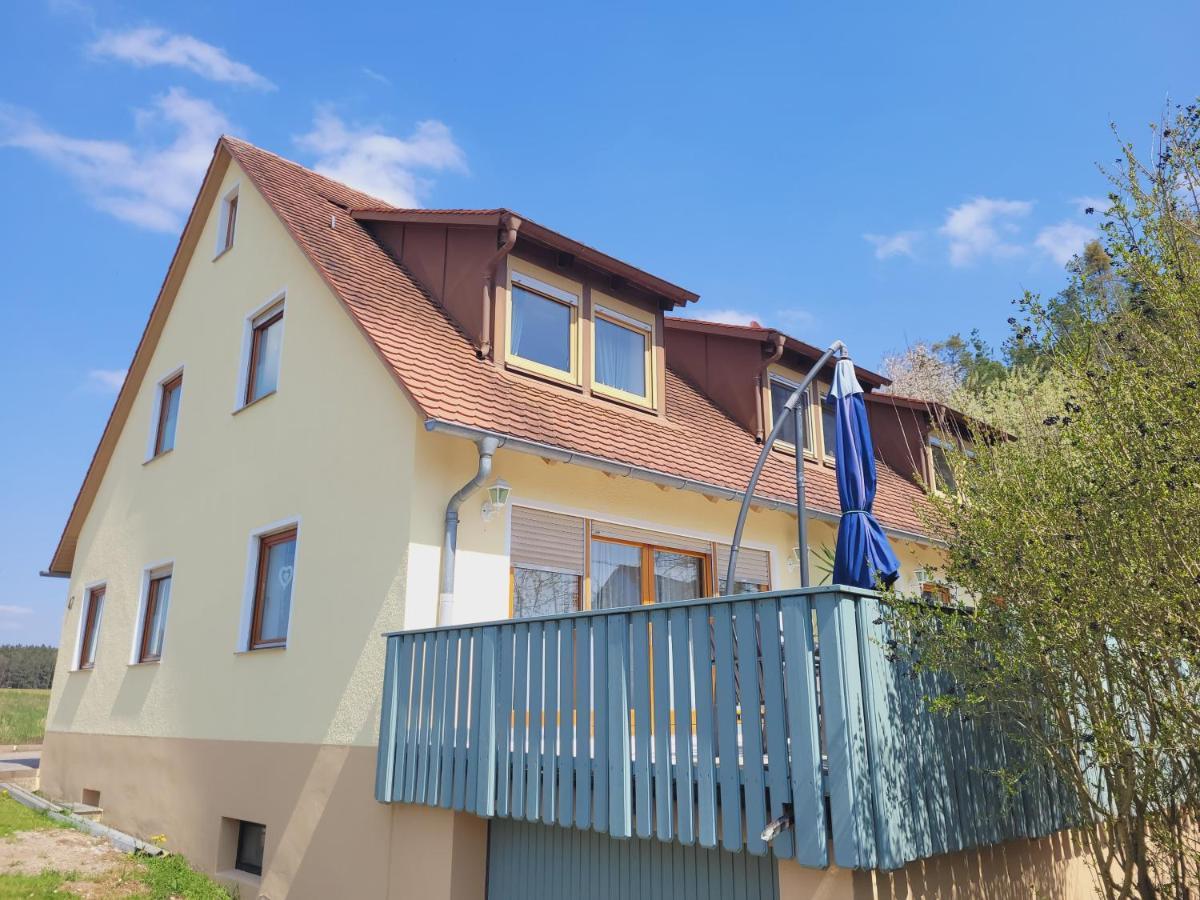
point(169, 394)
point(829, 427)
point(943, 473)
point(93, 609)
point(266, 338)
point(626, 574)
point(781, 390)
point(540, 592)
point(227, 224)
point(933, 592)
point(753, 570)
point(542, 326)
point(251, 842)
point(623, 355)
point(154, 617)
point(274, 574)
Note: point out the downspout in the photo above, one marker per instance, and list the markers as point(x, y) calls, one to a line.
point(487, 447)
point(510, 224)
point(760, 430)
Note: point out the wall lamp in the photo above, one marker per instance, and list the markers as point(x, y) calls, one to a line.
point(497, 499)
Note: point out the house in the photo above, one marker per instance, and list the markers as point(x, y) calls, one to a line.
point(346, 419)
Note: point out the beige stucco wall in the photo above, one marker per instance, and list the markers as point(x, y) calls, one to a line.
point(333, 447)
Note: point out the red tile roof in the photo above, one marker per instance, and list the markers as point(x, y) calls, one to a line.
point(436, 364)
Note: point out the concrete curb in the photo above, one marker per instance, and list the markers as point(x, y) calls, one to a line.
point(119, 839)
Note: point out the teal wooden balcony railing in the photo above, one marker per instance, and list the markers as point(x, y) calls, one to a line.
point(698, 722)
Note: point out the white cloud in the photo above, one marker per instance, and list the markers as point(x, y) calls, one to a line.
point(7, 610)
point(369, 160)
point(888, 245)
point(105, 381)
point(978, 228)
point(1062, 241)
point(14, 618)
point(150, 184)
point(144, 47)
point(728, 316)
point(375, 76)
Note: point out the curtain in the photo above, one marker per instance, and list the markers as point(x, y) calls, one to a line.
point(616, 575)
point(677, 576)
point(620, 357)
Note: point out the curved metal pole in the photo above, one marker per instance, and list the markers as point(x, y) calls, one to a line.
point(802, 526)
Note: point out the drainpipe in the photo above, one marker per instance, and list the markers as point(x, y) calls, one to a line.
point(760, 431)
point(487, 447)
point(510, 224)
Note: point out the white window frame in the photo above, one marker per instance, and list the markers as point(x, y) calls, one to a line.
point(150, 572)
point(278, 300)
point(156, 411)
point(809, 430)
point(77, 657)
point(253, 549)
point(223, 220)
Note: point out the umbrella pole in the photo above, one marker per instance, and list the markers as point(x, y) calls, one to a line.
point(790, 406)
point(801, 518)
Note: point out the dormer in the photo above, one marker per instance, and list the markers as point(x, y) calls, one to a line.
point(538, 304)
point(750, 371)
point(918, 437)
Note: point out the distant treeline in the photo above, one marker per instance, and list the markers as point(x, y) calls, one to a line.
point(24, 666)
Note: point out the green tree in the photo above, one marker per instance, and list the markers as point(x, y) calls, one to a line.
point(1079, 541)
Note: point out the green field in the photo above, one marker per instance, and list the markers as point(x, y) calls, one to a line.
point(22, 715)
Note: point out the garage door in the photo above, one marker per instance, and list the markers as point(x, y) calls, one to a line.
point(531, 860)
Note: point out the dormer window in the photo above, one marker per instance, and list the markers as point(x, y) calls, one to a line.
point(227, 223)
point(781, 390)
point(624, 348)
point(828, 428)
point(543, 321)
point(943, 473)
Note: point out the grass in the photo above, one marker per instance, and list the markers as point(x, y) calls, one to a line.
point(15, 817)
point(33, 887)
point(23, 715)
point(161, 877)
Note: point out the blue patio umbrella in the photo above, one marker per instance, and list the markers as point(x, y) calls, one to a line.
point(863, 556)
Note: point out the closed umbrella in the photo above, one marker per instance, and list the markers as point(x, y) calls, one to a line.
point(864, 558)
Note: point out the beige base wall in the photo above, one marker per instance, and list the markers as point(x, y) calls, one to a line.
point(326, 834)
point(328, 837)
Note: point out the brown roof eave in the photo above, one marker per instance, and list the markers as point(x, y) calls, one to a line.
point(672, 293)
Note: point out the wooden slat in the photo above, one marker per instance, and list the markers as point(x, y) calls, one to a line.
point(484, 750)
point(775, 721)
point(473, 725)
point(504, 723)
point(702, 684)
point(640, 688)
point(663, 799)
point(846, 736)
point(549, 723)
point(754, 798)
point(728, 779)
point(583, 723)
point(520, 717)
point(600, 723)
point(461, 734)
point(620, 786)
point(681, 709)
point(413, 731)
point(385, 763)
point(799, 675)
point(449, 708)
point(424, 748)
point(533, 756)
point(566, 720)
point(437, 721)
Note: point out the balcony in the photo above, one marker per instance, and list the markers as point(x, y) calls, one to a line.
point(702, 722)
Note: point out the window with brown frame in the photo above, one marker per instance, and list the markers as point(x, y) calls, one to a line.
point(629, 574)
point(262, 375)
point(934, 592)
point(154, 620)
point(273, 589)
point(91, 627)
point(230, 223)
point(168, 414)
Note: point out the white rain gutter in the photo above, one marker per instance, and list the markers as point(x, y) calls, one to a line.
point(610, 467)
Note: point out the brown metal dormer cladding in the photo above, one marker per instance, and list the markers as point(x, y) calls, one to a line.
point(459, 255)
point(729, 363)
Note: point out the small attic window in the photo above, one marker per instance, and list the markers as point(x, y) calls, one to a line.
point(227, 223)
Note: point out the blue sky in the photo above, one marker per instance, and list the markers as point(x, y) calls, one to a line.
point(880, 174)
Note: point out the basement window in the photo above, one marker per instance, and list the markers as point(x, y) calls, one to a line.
point(252, 841)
